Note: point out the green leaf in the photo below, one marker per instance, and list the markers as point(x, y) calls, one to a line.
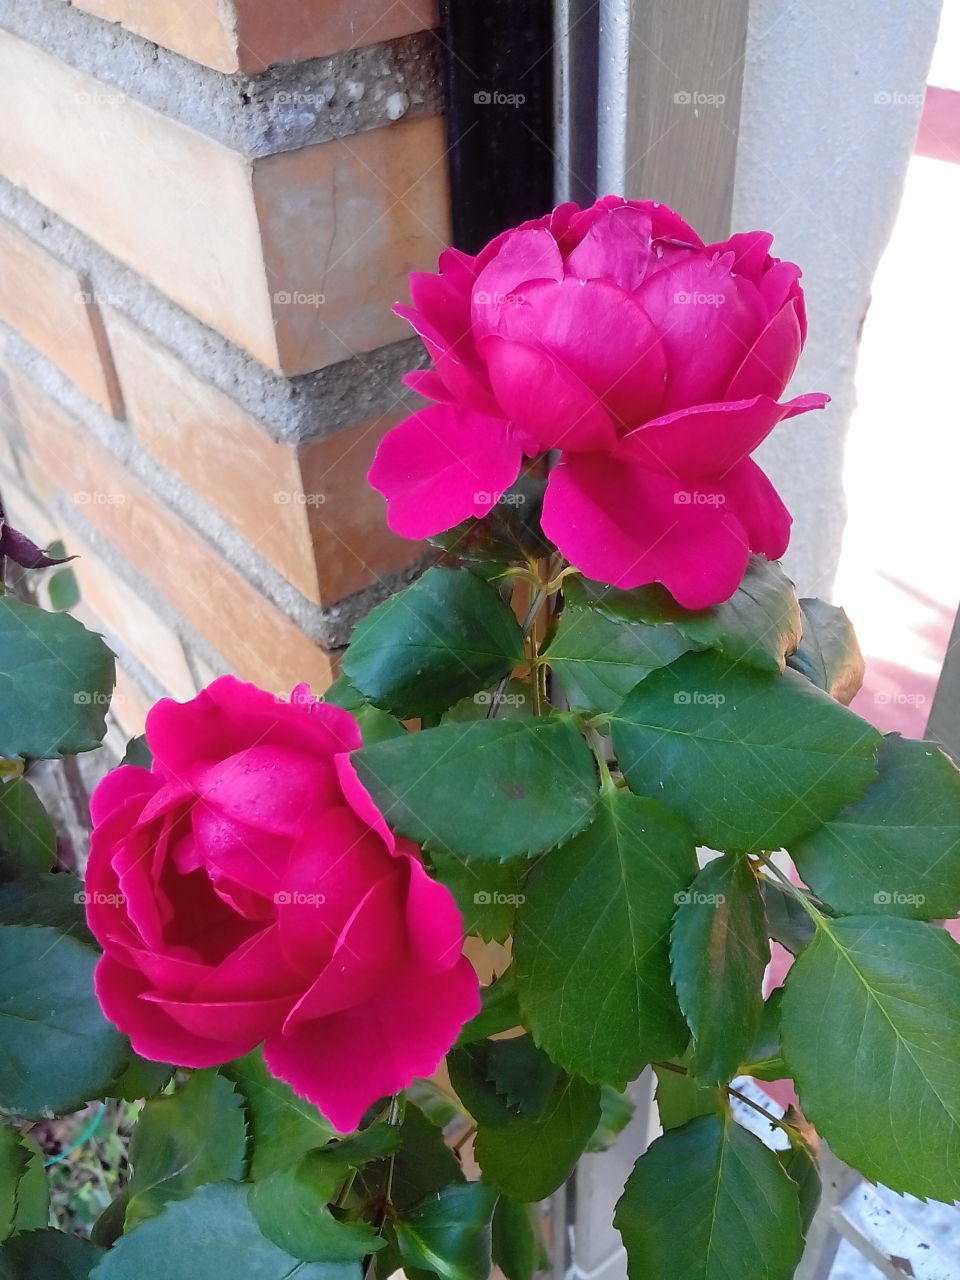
point(290, 1207)
point(489, 789)
point(14, 1159)
point(801, 1167)
point(283, 1126)
point(487, 895)
point(502, 1080)
point(55, 683)
point(763, 1059)
point(422, 1165)
point(528, 1159)
point(752, 760)
point(895, 851)
point(599, 659)
point(509, 533)
point(449, 1232)
point(184, 1140)
point(420, 651)
point(829, 654)
point(718, 954)
point(787, 922)
point(616, 1112)
point(59, 1050)
point(682, 1097)
point(62, 588)
point(592, 944)
point(517, 1240)
point(33, 1193)
point(375, 725)
point(500, 1011)
point(759, 625)
point(28, 842)
point(141, 1078)
point(709, 1201)
point(108, 1228)
point(514, 700)
point(211, 1236)
point(48, 1255)
point(138, 753)
point(55, 900)
point(885, 1094)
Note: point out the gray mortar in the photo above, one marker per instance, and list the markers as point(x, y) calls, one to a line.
point(292, 410)
point(328, 625)
point(284, 108)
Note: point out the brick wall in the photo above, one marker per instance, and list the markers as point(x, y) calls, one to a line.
point(206, 211)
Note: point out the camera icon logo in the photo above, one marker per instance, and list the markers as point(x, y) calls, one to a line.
point(482, 898)
point(483, 98)
point(682, 99)
point(681, 698)
point(281, 898)
point(882, 899)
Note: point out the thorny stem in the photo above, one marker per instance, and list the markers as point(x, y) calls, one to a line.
point(542, 594)
point(819, 919)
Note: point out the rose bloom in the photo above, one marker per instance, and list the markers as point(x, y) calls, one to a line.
point(246, 889)
point(652, 362)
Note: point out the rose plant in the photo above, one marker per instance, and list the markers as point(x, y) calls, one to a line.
point(600, 729)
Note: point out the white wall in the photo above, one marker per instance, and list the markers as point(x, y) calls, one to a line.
point(831, 98)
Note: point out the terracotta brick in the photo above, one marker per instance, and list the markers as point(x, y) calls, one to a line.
point(227, 239)
point(54, 308)
point(122, 612)
point(218, 449)
point(348, 518)
point(249, 35)
point(258, 641)
point(168, 201)
point(343, 224)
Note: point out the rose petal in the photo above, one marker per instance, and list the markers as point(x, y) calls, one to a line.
point(118, 787)
point(265, 787)
point(599, 336)
point(617, 247)
point(622, 524)
point(153, 1033)
point(441, 465)
point(769, 364)
point(344, 1063)
point(434, 922)
point(758, 507)
point(523, 256)
point(249, 1021)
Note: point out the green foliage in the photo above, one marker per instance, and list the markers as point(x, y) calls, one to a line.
point(28, 842)
point(752, 760)
point(71, 665)
point(282, 1125)
point(486, 790)
point(449, 1232)
point(885, 1095)
point(59, 1050)
point(718, 955)
point(446, 636)
point(517, 1240)
point(48, 1255)
point(829, 654)
point(183, 1141)
point(708, 1201)
point(896, 850)
point(592, 942)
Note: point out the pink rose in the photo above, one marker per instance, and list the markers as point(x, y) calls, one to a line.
point(654, 364)
point(247, 889)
